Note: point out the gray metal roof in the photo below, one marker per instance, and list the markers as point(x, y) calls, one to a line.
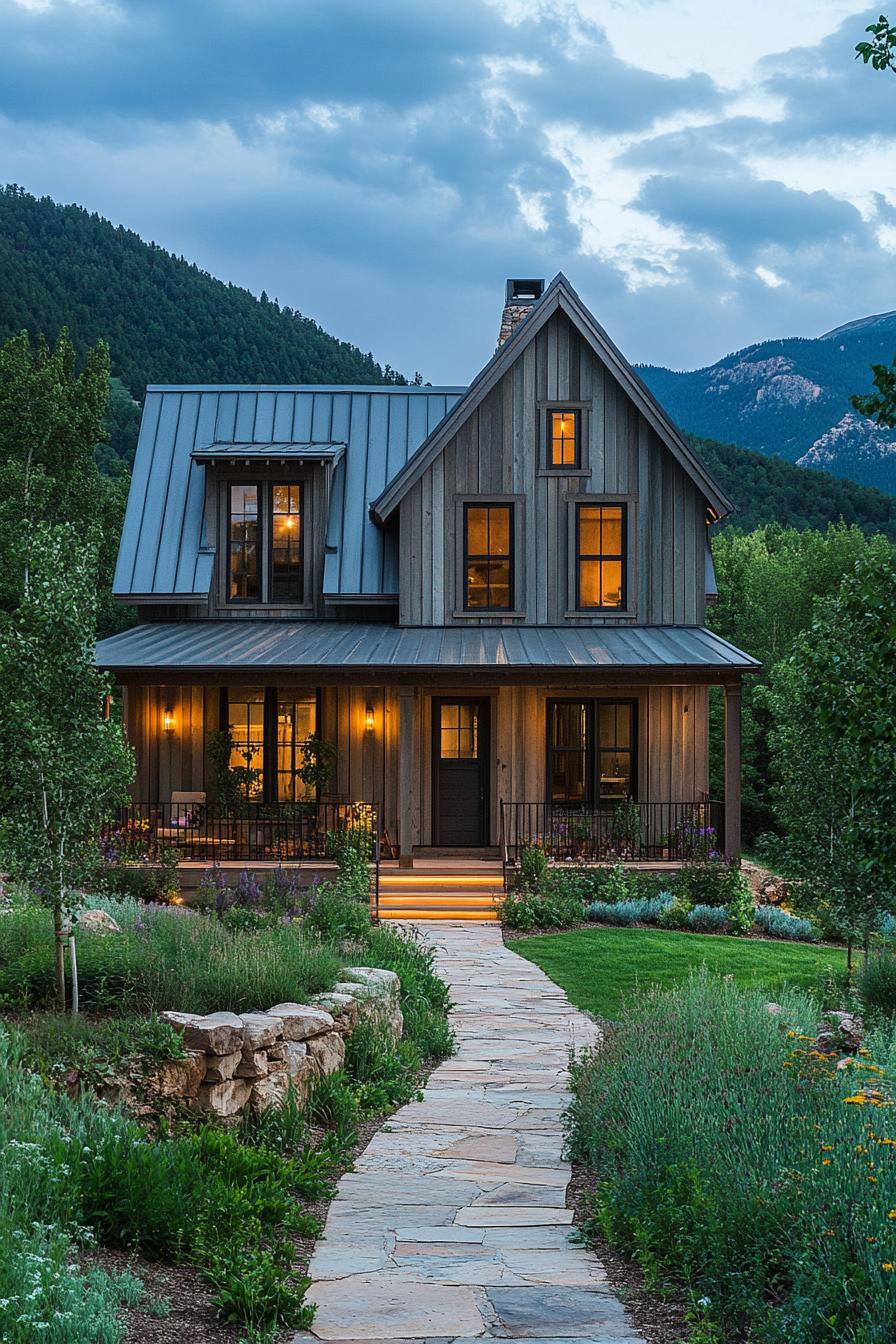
point(212, 646)
point(241, 452)
point(164, 550)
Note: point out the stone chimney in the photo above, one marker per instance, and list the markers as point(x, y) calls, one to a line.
point(520, 297)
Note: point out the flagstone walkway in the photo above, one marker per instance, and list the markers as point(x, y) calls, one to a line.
point(454, 1224)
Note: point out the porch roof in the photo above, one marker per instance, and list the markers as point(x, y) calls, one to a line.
point(253, 646)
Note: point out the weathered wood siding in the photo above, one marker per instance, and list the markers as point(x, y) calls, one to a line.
point(672, 743)
point(499, 451)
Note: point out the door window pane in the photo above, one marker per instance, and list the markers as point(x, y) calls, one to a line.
point(600, 543)
point(488, 558)
point(245, 722)
point(296, 722)
point(458, 732)
point(243, 540)
point(286, 543)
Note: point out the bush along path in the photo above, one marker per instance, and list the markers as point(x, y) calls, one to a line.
point(453, 1224)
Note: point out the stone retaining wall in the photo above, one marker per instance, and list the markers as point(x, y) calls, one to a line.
point(246, 1061)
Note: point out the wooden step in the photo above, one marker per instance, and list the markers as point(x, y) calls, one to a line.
point(472, 916)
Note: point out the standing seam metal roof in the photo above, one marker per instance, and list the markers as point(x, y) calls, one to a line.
point(232, 645)
point(164, 548)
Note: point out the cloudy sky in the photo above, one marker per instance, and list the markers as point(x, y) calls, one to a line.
point(707, 173)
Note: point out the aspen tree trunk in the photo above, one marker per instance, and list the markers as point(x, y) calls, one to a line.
point(59, 942)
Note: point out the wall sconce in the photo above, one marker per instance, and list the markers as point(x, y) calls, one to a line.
point(168, 722)
point(368, 719)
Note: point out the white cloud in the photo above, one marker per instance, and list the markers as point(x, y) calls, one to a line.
point(769, 277)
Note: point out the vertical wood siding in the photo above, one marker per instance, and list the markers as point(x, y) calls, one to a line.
point(498, 451)
point(672, 755)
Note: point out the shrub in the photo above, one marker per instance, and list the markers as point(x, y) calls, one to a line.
point(554, 908)
point(714, 882)
point(778, 923)
point(384, 1075)
point(641, 910)
point(876, 982)
point(731, 1160)
point(424, 997)
point(675, 914)
point(533, 864)
point(708, 918)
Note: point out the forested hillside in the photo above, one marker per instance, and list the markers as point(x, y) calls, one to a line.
point(165, 320)
point(770, 490)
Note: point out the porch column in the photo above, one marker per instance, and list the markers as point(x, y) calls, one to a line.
point(732, 770)
point(406, 760)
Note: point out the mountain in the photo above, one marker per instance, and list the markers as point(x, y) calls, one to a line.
point(790, 399)
point(768, 489)
point(166, 320)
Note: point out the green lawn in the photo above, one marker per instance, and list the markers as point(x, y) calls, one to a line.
point(599, 967)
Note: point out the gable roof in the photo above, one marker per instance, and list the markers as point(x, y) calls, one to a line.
point(370, 432)
point(558, 297)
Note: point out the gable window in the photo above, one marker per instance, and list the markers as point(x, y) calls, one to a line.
point(286, 543)
point(591, 751)
point(563, 438)
point(243, 543)
point(488, 557)
point(600, 557)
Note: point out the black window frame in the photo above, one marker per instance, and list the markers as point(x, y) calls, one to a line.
point(270, 771)
point(593, 750)
point(469, 558)
point(621, 558)
point(230, 486)
point(576, 463)
point(271, 600)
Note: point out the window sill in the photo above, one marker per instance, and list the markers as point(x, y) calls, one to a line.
point(603, 613)
point(564, 471)
point(486, 614)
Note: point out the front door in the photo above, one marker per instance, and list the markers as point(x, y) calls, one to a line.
point(460, 772)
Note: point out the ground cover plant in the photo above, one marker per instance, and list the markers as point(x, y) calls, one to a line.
point(735, 1161)
point(600, 968)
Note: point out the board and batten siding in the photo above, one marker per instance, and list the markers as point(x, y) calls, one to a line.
point(499, 451)
point(672, 743)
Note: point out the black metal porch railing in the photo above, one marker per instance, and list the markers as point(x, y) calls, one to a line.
point(252, 832)
point(613, 832)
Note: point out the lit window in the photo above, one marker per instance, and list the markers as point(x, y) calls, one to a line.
point(563, 438)
point(296, 722)
point(245, 723)
point(286, 543)
point(600, 554)
point(488, 557)
point(243, 544)
point(459, 732)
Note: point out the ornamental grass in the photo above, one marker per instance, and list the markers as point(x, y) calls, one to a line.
point(737, 1162)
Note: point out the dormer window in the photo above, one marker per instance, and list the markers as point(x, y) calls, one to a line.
point(266, 540)
point(563, 438)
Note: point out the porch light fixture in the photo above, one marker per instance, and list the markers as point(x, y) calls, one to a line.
point(368, 719)
point(168, 722)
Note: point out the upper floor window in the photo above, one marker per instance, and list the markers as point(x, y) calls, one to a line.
point(563, 438)
point(600, 556)
point(488, 557)
point(286, 543)
point(265, 542)
point(244, 584)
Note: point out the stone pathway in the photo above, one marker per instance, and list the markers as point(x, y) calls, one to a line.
point(454, 1225)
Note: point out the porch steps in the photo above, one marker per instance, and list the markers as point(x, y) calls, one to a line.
point(442, 891)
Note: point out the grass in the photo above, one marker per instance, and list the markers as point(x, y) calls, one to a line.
point(600, 968)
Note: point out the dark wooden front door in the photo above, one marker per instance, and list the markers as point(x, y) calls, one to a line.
point(460, 772)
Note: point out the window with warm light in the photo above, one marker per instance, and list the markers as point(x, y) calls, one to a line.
point(243, 543)
point(296, 722)
point(245, 723)
point(592, 751)
point(286, 543)
point(600, 557)
point(563, 438)
point(488, 557)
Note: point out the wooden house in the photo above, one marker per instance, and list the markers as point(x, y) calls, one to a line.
point(489, 600)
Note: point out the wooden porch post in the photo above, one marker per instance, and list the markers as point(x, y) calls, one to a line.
point(406, 760)
point(732, 770)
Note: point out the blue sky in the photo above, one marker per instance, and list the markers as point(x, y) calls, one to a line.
point(707, 173)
